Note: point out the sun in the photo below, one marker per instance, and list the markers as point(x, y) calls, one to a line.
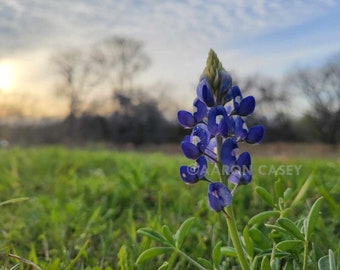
point(5, 77)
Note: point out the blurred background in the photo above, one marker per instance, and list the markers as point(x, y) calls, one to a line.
point(116, 72)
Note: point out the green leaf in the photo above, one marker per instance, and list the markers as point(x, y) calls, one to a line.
point(332, 264)
point(312, 217)
point(323, 263)
point(164, 266)
point(265, 264)
point(276, 228)
point(289, 245)
point(216, 254)
point(148, 232)
point(182, 231)
point(152, 252)
point(247, 242)
point(290, 227)
point(122, 255)
point(205, 263)
point(278, 187)
point(16, 200)
point(265, 195)
point(228, 252)
point(259, 218)
point(259, 238)
point(80, 253)
point(168, 235)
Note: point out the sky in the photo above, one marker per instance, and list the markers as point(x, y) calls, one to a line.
point(269, 38)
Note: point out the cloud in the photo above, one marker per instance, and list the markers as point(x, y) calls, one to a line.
point(177, 34)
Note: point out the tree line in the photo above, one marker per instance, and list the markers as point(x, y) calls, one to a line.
point(128, 114)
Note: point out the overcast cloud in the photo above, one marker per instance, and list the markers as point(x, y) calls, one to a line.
point(266, 37)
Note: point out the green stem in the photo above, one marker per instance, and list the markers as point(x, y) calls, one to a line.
point(240, 252)
point(305, 255)
point(191, 259)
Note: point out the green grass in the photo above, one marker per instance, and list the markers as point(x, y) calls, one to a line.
point(85, 206)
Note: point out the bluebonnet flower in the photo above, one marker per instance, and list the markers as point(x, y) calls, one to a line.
point(191, 175)
point(195, 144)
point(219, 196)
point(189, 120)
point(217, 127)
point(204, 92)
point(241, 171)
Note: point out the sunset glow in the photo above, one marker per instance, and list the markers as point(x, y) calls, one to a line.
point(6, 73)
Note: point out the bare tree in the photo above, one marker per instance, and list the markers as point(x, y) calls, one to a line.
point(270, 100)
point(120, 59)
point(75, 77)
point(321, 87)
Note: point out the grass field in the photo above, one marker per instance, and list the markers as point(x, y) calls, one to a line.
point(83, 207)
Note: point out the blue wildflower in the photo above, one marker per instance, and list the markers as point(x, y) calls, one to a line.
point(191, 175)
point(255, 134)
point(218, 121)
point(195, 144)
point(217, 127)
point(228, 153)
point(241, 172)
point(204, 92)
point(189, 120)
point(219, 196)
point(225, 81)
point(242, 106)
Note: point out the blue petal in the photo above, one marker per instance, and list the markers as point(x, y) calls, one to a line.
point(247, 106)
point(188, 174)
point(225, 81)
point(186, 119)
point(203, 135)
point(219, 196)
point(211, 150)
point(201, 111)
point(235, 177)
point(190, 150)
point(241, 173)
point(201, 166)
point(244, 160)
point(255, 134)
point(228, 153)
point(204, 92)
point(236, 92)
point(213, 125)
point(240, 131)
